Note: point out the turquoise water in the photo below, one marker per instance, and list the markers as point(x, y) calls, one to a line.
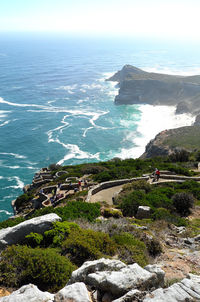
point(56, 107)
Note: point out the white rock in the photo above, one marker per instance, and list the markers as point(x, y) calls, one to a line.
point(186, 290)
point(122, 281)
point(143, 212)
point(76, 292)
point(88, 267)
point(153, 268)
point(129, 296)
point(28, 293)
point(13, 235)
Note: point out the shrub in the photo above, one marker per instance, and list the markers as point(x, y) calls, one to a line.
point(73, 210)
point(130, 249)
point(43, 267)
point(141, 185)
point(59, 231)
point(131, 202)
point(183, 202)
point(86, 245)
point(164, 214)
point(11, 222)
point(112, 213)
point(157, 199)
point(34, 239)
point(179, 156)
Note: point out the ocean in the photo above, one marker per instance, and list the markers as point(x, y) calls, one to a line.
point(56, 107)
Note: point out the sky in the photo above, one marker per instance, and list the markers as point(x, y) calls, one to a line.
point(153, 18)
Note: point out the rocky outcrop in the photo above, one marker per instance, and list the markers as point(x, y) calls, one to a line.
point(28, 293)
point(115, 277)
point(186, 290)
point(108, 280)
point(74, 293)
point(169, 141)
point(140, 87)
point(16, 234)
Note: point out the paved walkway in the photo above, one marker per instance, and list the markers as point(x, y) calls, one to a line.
point(106, 195)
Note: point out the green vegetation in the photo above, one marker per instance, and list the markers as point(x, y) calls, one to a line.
point(43, 267)
point(82, 245)
point(183, 203)
point(131, 249)
point(165, 200)
point(73, 210)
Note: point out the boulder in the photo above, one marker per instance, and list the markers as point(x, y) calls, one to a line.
point(153, 268)
point(76, 292)
point(28, 293)
point(14, 235)
point(186, 290)
point(89, 267)
point(143, 212)
point(122, 281)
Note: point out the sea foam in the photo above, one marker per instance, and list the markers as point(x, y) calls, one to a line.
point(154, 119)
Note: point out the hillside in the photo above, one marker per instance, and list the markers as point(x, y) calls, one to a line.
point(140, 87)
point(166, 142)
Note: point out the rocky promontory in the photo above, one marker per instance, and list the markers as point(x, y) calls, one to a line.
point(141, 87)
point(168, 141)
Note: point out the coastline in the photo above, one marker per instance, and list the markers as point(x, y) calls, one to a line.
point(154, 119)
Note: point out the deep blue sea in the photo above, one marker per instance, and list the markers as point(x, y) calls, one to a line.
point(56, 107)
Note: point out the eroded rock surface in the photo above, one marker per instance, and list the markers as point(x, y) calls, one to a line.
point(28, 293)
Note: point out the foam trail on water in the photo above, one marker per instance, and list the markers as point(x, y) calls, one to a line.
point(4, 211)
point(5, 123)
point(154, 119)
point(14, 154)
point(75, 152)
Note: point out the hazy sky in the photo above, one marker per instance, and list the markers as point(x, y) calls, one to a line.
point(170, 18)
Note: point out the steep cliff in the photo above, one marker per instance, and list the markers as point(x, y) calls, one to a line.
point(140, 87)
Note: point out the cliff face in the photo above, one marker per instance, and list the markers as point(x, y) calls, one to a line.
point(167, 141)
point(140, 87)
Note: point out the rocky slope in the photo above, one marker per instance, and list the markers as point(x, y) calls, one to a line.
point(140, 87)
point(167, 141)
point(111, 280)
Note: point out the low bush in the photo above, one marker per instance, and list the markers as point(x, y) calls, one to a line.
point(130, 202)
point(85, 245)
point(34, 239)
point(183, 202)
point(130, 249)
point(43, 267)
point(73, 210)
point(112, 213)
point(11, 222)
point(179, 156)
point(58, 233)
point(164, 214)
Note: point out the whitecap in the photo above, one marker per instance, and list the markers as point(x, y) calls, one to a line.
point(75, 152)
point(69, 88)
point(4, 211)
point(5, 123)
point(14, 154)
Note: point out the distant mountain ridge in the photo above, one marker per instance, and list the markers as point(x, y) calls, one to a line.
point(141, 87)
